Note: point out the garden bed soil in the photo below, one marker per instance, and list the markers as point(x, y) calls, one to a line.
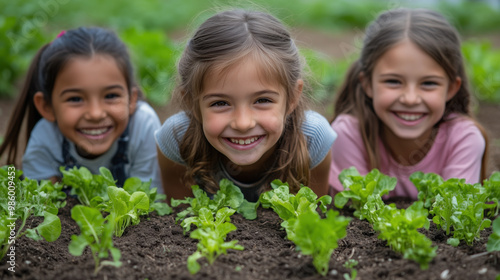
point(157, 249)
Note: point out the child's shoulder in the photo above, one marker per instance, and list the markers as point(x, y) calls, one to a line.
point(144, 116)
point(459, 130)
point(346, 118)
point(178, 120)
point(45, 129)
point(315, 123)
point(173, 128)
point(346, 122)
point(459, 124)
point(45, 134)
point(143, 109)
point(314, 118)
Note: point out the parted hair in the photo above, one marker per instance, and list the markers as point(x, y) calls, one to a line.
point(222, 41)
point(434, 35)
point(45, 67)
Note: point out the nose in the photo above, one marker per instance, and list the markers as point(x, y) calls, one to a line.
point(410, 96)
point(243, 119)
point(95, 111)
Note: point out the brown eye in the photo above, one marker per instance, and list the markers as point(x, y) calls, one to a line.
point(112, 95)
point(74, 99)
point(263, 100)
point(429, 84)
point(219, 104)
point(392, 82)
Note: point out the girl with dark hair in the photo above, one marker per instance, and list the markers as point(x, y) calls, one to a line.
point(240, 88)
point(81, 107)
point(404, 106)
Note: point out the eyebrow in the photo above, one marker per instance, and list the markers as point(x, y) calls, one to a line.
point(220, 95)
point(425, 77)
point(79, 90)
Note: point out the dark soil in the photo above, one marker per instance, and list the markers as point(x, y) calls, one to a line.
point(157, 249)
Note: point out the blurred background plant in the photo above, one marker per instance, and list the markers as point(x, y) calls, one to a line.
point(148, 28)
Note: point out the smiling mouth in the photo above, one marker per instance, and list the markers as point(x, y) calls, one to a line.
point(244, 141)
point(94, 131)
point(410, 117)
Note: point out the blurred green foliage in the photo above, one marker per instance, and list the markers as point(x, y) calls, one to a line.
point(471, 17)
point(483, 68)
point(26, 25)
point(154, 56)
point(325, 76)
point(16, 52)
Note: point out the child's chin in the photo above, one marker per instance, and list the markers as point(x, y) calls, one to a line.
point(91, 152)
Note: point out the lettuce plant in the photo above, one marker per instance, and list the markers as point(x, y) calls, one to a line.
point(97, 233)
point(86, 185)
point(311, 234)
point(465, 214)
point(32, 198)
point(427, 185)
point(458, 207)
point(399, 228)
point(134, 184)
point(228, 195)
point(318, 237)
point(492, 186)
point(92, 189)
point(289, 206)
point(211, 234)
point(494, 239)
point(350, 264)
point(360, 189)
point(125, 208)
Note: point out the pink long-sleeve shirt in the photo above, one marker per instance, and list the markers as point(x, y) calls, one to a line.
point(456, 153)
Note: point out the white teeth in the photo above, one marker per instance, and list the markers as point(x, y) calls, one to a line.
point(94, 131)
point(244, 142)
point(410, 117)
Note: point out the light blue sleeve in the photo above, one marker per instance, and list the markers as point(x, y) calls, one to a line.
point(142, 148)
point(320, 136)
point(43, 154)
point(170, 134)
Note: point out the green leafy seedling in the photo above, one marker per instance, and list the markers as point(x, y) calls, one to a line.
point(97, 233)
point(126, 208)
point(494, 239)
point(318, 237)
point(22, 199)
point(86, 185)
point(350, 264)
point(228, 195)
point(361, 189)
point(211, 234)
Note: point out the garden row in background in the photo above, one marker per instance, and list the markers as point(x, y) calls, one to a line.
point(26, 26)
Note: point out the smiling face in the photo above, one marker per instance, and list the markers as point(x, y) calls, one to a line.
point(91, 103)
point(409, 91)
point(242, 113)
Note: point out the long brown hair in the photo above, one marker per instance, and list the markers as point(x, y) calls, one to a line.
point(43, 71)
point(433, 34)
point(221, 42)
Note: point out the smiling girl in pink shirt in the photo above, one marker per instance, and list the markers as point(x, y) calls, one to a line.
point(404, 106)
